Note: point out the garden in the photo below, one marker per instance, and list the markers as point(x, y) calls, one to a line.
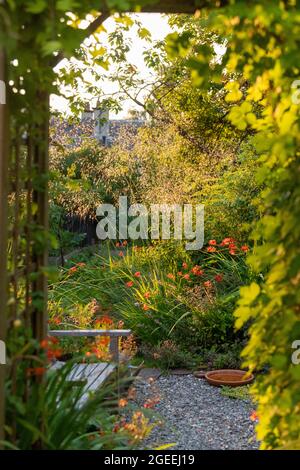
point(212, 120)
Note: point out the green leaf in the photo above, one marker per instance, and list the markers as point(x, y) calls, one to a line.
point(50, 47)
point(249, 293)
point(234, 92)
point(65, 5)
point(279, 361)
point(36, 6)
point(144, 33)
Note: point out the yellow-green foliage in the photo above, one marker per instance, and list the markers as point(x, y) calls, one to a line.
point(263, 48)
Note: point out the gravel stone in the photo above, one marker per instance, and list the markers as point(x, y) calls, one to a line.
point(195, 416)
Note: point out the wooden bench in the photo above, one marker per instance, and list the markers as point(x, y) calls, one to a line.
point(114, 335)
point(92, 374)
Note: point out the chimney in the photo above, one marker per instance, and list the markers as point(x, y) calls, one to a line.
point(101, 117)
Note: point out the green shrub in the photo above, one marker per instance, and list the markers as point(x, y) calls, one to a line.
point(231, 201)
point(168, 355)
point(223, 356)
point(156, 300)
point(238, 393)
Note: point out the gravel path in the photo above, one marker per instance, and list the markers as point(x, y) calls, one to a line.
point(195, 415)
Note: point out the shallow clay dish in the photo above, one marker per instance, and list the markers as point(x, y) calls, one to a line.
point(200, 374)
point(231, 377)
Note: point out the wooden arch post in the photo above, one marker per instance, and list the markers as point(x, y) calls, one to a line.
point(4, 139)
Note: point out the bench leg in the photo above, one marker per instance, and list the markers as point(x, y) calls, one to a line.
point(114, 348)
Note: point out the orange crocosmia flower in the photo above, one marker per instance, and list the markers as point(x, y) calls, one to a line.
point(104, 341)
point(56, 321)
point(121, 254)
point(106, 320)
point(73, 269)
point(137, 274)
point(219, 277)
point(227, 241)
point(37, 371)
point(232, 251)
point(245, 248)
point(147, 295)
point(197, 271)
point(212, 242)
point(211, 249)
point(116, 428)
point(129, 283)
point(184, 265)
point(150, 403)
point(179, 273)
point(44, 343)
point(123, 402)
point(254, 416)
point(187, 277)
point(54, 353)
point(81, 265)
point(88, 354)
point(53, 340)
point(124, 243)
point(171, 276)
point(118, 245)
point(207, 284)
point(57, 352)
point(146, 307)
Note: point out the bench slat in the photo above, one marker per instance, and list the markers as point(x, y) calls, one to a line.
point(93, 374)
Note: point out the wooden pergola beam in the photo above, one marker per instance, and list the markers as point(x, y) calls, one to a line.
point(152, 6)
point(181, 6)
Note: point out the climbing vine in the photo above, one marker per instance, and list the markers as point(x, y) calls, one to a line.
point(262, 50)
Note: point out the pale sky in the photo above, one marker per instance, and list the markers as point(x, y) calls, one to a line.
point(157, 24)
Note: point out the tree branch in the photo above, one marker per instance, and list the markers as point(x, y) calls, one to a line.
point(90, 29)
point(94, 25)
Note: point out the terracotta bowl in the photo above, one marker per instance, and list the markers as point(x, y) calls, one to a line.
point(200, 374)
point(231, 377)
